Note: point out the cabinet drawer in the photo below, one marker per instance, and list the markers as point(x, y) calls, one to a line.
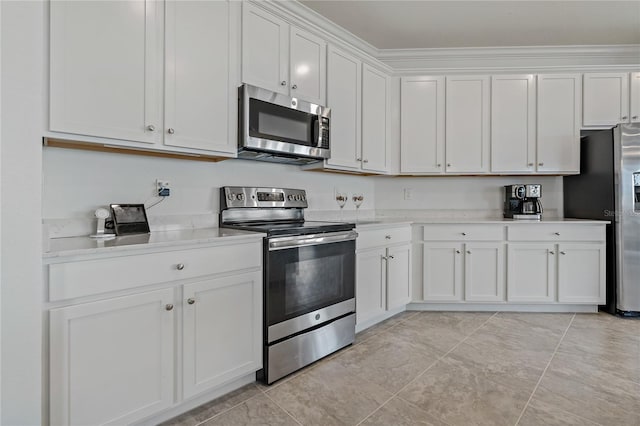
point(84, 278)
point(471, 232)
point(382, 237)
point(550, 232)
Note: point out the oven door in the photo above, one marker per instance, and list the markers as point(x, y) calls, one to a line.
point(309, 280)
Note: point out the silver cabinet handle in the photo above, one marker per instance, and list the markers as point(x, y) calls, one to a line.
point(458, 251)
point(464, 234)
point(283, 83)
point(551, 252)
point(191, 300)
point(391, 256)
point(151, 128)
point(438, 165)
point(294, 87)
point(635, 117)
point(530, 164)
point(448, 164)
point(168, 307)
point(384, 257)
point(468, 251)
point(180, 266)
point(358, 159)
point(170, 131)
point(540, 164)
point(624, 118)
point(563, 253)
point(365, 161)
point(388, 237)
point(557, 233)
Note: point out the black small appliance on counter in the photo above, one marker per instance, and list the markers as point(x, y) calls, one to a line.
point(523, 201)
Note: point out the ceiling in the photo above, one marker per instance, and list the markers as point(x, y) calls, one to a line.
point(399, 24)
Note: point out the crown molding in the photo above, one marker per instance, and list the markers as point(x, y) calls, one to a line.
point(525, 57)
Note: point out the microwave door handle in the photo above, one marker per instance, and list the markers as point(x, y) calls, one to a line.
point(317, 134)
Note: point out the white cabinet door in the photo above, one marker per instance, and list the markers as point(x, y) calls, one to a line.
point(200, 87)
point(422, 125)
point(265, 50)
point(635, 97)
point(105, 69)
point(559, 102)
point(484, 272)
point(308, 59)
point(443, 269)
point(374, 120)
point(467, 124)
point(344, 96)
point(112, 361)
point(606, 99)
point(531, 272)
point(370, 284)
point(222, 330)
point(513, 123)
point(398, 276)
point(581, 273)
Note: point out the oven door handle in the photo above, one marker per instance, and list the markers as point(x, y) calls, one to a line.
point(310, 240)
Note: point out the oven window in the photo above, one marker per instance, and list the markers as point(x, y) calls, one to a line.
point(305, 279)
point(275, 122)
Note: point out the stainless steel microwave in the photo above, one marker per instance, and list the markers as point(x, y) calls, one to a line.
point(277, 128)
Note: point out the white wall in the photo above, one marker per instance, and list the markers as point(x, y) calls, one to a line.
point(462, 193)
point(76, 182)
point(22, 50)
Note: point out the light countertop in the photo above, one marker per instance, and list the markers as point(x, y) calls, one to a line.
point(74, 246)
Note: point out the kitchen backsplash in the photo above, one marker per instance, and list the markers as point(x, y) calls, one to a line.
point(77, 182)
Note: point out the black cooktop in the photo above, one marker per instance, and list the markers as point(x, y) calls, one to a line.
point(273, 229)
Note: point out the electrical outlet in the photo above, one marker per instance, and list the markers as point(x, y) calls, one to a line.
point(408, 194)
point(163, 188)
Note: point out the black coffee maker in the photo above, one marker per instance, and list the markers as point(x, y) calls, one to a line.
point(523, 201)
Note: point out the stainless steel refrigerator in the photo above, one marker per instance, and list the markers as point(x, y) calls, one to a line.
point(608, 188)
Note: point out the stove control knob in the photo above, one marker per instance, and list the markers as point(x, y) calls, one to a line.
point(240, 197)
point(298, 197)
point(303, 197)
point(231, 196)
point(290, 197)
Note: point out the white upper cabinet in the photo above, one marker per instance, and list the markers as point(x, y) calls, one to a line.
point(308, 66)
point(467, 124)
point(107, 72)
point(344, 99)
point(105, 69)
point(374, 120)
point(635, 97)
point(606, 99)
point(200, 100)
point(513, 123)
point(282, 58)
point(422, 123)
point(559, 101)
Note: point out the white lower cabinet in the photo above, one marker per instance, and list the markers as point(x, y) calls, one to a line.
point(456, 271)
point(111, 362)
point(531, 272)
point(214, 352)
point(383, 273)
point(121, 359)
point(581, 273)
point(484, 272)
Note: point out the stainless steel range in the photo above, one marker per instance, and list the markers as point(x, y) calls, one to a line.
point(309, 276)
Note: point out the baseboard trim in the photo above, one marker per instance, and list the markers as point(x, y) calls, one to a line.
point(492, 307)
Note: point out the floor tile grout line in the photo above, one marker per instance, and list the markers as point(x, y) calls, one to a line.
point(427, 369)
point(545, 370)
point(282, 408)
point(230, 408)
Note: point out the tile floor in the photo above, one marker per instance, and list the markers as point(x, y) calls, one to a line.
point(457, 368)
